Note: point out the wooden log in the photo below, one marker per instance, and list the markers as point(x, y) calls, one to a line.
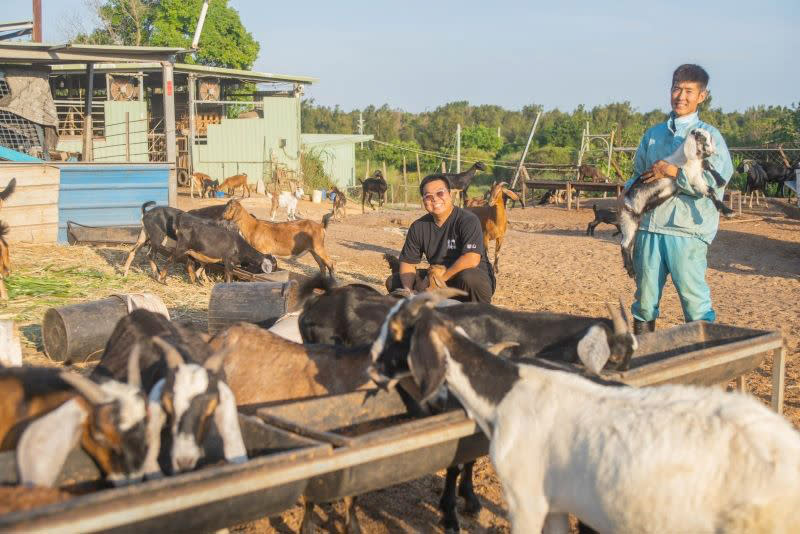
point(79, 332)
point(778, 378)
point(252, 302)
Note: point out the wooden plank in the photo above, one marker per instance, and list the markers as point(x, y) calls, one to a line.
point(778, 378)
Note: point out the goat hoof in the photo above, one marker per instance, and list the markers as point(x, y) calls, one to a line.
point(472, 505)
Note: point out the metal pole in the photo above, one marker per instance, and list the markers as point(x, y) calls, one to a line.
point(169, 128)
point(458, 148)
point(405, 184)
point(419, 175)
point(200, 22)
point(88, 147)
point(37, 21)
point(525, 152)
point(610, 150)
point(192, 80)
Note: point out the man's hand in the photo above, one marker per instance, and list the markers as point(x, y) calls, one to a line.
point(660, 169)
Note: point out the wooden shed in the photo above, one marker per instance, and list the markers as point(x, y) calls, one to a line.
point(32, 211)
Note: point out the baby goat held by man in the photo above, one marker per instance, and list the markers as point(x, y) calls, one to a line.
point(692, 157)
point(659, 459)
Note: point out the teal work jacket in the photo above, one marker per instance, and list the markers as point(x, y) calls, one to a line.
point(686, 214)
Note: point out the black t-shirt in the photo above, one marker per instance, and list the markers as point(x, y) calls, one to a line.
point(460, 233)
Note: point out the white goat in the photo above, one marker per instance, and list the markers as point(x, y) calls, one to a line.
point(662, 459)
point(288, 200)
point(692, 157)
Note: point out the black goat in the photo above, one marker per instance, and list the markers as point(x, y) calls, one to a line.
point(209, 243)
point(757, 180)
point(354, 314)
point(210, 187)
point(186, 387)
point(374, 185)
point(462, 180)
point(603, 216)
point(778, 173)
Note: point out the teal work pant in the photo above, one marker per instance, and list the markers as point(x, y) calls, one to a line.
point(655, 256)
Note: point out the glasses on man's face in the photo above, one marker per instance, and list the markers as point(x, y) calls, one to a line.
point(440, 194)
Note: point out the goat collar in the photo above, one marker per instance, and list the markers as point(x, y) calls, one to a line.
point(677, 124)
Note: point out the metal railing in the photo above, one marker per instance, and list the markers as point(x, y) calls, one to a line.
point(70, 118)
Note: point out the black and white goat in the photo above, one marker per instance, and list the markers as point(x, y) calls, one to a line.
point(659, 459)
point(49, 412)
point(186, 387)
point(692, 157)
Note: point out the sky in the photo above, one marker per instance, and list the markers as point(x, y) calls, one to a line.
point(417, 55)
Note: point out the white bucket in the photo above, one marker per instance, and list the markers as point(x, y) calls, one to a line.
point(316, 196)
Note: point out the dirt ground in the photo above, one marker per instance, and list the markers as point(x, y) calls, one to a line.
point(547, 263)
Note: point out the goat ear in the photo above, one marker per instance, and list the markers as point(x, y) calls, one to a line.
point(497, 348)
point(593, 349)
point(427, 360)
point(134, 374)
point(45, 444)
point(226, 419)
point(214, 363)
point(171, 354)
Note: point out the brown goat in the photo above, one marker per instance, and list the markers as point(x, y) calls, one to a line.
point(5, 260)
point(198, 181)
point(232, 182)
point(424, 279)
point(493, 218)
point(339, 204)
point(592, 173)
point(287, 239)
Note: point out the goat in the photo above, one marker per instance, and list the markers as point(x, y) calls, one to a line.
point(556, 196)
point(288, 200)
point(669, 458)
point(641, 197)
point(263, 367)
point(283, 239)
point(592, 173)
point(757, 180)
point(210, 187)
point(232, 182)
point(424, 278)
point(5, 260)
point(186, 387)
point(208, 243)
point(198, 180)
point(339, 204)
point(463, 180)
point(352, 316)
point(374, 185)
point(8, 191)
point(607, 216)
point(46, 413)
point(493, 218)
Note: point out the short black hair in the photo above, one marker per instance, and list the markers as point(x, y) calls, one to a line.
point(431, 178)
point(689, 72)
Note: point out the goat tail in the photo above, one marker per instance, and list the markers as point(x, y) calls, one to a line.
point(4, 229)
point(12, 185)
point(320, 281)
point(147, 205)
point(393, 261)
point(326, 220)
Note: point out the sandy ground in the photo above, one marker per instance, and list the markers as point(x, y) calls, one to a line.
point(547, 263)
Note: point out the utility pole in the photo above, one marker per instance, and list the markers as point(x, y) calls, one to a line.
point(37, 21)
point(525, 152)
point(458, 147)
point(361, 126)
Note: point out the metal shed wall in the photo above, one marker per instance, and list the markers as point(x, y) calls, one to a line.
point(108, 194)
point(32, 211)
point(111, 148)
point(338, 160)
point(243, 145)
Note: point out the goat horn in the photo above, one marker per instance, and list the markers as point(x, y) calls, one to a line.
point(430, 298)
point(620, 326)
point(88, 389)
point(134, 374)
point(497, 348)
point(624, 312)
point(171, 354)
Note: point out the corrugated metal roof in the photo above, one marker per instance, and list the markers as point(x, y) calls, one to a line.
point(332, 139)
point(48, 53)
point(194, 69)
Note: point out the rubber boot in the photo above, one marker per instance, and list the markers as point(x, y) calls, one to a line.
point(643, 327)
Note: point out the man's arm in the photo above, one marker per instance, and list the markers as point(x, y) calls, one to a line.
point(468, 260)
point(407, 274)
point(639, 161)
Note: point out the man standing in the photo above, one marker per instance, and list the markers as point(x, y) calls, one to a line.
point(673, 238)
point(449, 236)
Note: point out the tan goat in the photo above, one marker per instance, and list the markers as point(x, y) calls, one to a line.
point(286, 239)
point(232, 182)
point(198, 183)
point(493, 218)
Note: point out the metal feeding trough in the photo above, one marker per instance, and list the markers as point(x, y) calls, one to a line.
point(340, 445)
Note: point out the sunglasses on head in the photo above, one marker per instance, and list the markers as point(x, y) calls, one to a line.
point(441, 194)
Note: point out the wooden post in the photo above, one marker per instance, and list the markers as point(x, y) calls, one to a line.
point(192, 81)
point(444, 167)
point(128, 136)
point(741, 384)
point(88, 137)
point(405, 184)
point(458, 147)
point(386, 177)
point(419, 175)
point(525, 152)
point(778, 378)
point(569, 196)
point(366, 173)
point(140, 77)
point(169, 128)
point(37, 21)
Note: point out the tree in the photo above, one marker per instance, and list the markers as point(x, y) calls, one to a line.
point(224, 41)
point(481, 137)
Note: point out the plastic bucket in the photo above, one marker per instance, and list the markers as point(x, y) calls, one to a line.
point(220, 194)
point(316, 196)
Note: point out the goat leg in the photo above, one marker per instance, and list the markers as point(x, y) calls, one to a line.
point(190, 271)
point(351, 525)
point(447, 503)
point(3, 290)
point(472, 505)
point(140, 241)
point(497, 244)
point(307, 524)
